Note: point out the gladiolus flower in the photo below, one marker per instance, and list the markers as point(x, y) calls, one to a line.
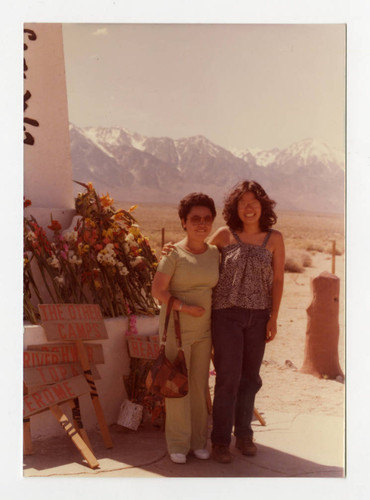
point(55, 226)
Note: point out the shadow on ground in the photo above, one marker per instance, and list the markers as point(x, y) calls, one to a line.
point(143, 453)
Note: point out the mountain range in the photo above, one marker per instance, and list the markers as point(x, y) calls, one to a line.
point(306, 176)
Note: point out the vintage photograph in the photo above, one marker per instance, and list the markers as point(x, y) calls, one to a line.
point(184, 250)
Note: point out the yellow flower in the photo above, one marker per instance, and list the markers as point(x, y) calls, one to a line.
point(135, 230)
point(132, 208)
point(90, 222)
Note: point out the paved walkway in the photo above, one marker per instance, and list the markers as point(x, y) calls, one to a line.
point(290, 445)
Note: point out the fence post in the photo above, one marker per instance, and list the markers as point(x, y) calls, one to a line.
point(333, 259)
point(162, 237)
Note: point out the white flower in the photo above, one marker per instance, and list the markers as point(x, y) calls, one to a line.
point(138, 260)
point(73, 259)
point(53, 262)
point(31, 236)
point(59, 280)
point(70, 236)
point(122, 269)
point(107, 255)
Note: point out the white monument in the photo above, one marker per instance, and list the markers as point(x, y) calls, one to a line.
point(47, 158)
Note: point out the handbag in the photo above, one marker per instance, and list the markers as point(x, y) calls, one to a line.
point(166, 378)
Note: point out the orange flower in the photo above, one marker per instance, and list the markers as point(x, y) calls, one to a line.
point(55, 226)
point(106, 200)
point(132, 208)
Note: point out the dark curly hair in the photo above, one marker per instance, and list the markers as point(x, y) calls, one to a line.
point(195, 200)
point(230, 211)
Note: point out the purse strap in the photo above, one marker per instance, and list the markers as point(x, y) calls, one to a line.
point(177, 323)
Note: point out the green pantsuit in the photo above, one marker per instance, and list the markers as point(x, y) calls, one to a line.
point(192, 278)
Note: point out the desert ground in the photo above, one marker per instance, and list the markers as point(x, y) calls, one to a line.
point(309, 249)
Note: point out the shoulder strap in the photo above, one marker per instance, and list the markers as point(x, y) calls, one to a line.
point(236, 236)
point(267, 237)
point(177, 323)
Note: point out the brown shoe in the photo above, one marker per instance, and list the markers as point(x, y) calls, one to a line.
point(246, 446)
point(221, 453)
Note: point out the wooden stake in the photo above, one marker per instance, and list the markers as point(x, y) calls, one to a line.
point(333, 258)
point(93, 393)
point(74, 435)
point(77, 421)
point(27, 439)
point(258, 415)
point(162, 237)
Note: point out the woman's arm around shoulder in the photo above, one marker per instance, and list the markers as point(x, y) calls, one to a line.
point(221, 237)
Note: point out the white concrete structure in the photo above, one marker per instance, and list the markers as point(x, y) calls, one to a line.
point(48, 184)
point(47, 158)
point(110, 387)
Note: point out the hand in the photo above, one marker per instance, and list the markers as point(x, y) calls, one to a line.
point(271, 330)
point(196, 311)
point(168, 247)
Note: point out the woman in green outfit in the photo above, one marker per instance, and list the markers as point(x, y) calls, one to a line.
point(189, 273)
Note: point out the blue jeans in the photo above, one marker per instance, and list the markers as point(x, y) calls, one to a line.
point(238, 337)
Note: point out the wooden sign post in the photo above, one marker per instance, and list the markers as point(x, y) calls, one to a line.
point(75, 323)
point(48, 398)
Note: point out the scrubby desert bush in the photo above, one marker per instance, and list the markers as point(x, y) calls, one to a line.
point(314, 247)
point(297, 260)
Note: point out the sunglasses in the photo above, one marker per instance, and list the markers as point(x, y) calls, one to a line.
point(196, 220)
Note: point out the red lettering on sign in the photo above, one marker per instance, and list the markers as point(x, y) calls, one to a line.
point(53, 374)
point(26, 359)
point(59, 392)
point(71, 311)
point(28, 402)
point(49, 396)
point(41, 371)
point(63, 372)
point(142, 349)
point(97, 331)
point(60, 331)
point(71, 332)
point(68, 388)
point(80, 327)
point(134, 349)
point(150, 352)
point(38, 399)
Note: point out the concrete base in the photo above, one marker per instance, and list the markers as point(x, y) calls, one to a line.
point(110, 387)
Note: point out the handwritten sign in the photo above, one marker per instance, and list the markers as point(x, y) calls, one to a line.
point(69, 354)
point(72, 321)
point(143, 347)
point(54, 394)
point(50, 374)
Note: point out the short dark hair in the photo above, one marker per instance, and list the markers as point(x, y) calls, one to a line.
point(195, 200)
point(230, 211)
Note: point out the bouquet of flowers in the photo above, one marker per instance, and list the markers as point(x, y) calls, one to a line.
point(104, 260)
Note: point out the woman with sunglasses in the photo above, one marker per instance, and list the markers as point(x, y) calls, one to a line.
point(189, 273)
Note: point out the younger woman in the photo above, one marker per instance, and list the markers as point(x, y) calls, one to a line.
point(246, 302)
